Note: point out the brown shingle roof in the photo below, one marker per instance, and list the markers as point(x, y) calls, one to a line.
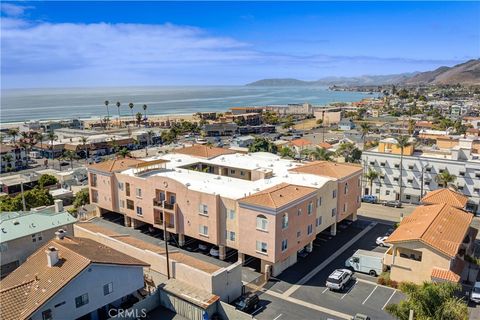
point(278, 196)
point(203, 151)
point(329, 169)
point(440, 226)
point(444, 274)
point(29, 286)
point(115, 165)
point(448, 196)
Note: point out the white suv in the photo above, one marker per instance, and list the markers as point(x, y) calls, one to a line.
point(338, 279)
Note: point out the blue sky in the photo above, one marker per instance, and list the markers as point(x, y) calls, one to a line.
point(55, 44)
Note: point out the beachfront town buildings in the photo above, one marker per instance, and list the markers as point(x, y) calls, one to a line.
point(22, 233)
point(421, 166)
point(264, 206)
point(12, 158)
point(72, 278)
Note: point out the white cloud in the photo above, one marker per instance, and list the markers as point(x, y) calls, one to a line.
point(13, 10)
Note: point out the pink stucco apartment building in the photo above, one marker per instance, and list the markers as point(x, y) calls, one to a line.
point(262, 205)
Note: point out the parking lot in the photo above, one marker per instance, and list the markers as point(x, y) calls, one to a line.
point(361, 295)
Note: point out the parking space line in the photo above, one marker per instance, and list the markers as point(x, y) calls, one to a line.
point(393, 293)
point(325, 290)
point(278, 317)
point(370, 294)
point(349, 290)
point(327, 261)
point(256, 310)
point(376, 284)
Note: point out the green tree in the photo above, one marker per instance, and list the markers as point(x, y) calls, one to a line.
point(349, 152)
point(118, 104)
point(371, 176)
point(108, 111)
point(13, 132)
point(445, 178)
point(319, 154)
point(70, 156)
point(145, 112)
point(402, 142)
point(8, 159)
point(47, 180)
point(430, 301)
point(84, 141)
point(269, 117)
point(286, 152)
point(403, 93)
point(411, 126)
point(262, 145)
point(131, 105)
point(150, 135)
point(288, 123)
point(37, 197)
point(364, 129)
point(138, 116)
point(51, 136)
point(168, 136)
point(123, 153)
point(82, 197)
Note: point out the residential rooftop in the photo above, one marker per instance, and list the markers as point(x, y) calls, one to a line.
point(445, 195)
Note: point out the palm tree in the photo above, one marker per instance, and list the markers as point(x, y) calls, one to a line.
point(13, 132)
point(150, 135)
point(286, 152)
point(118, 110)
point(371, 176)
point(108, 112)
point(445, 178)
point(364, 129)
point(84, 140)
point(319, 154)
point(40, 139)
point(411, 126)
point(123, 153)
point(349, 152)
point(139, 118)
point(70, 156)
point(145, 111)
point(130, 105)
point(402, 142)
point(51, 136)
point(430, 300)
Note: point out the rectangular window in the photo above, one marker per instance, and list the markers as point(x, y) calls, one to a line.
point(310, 208)
point(3, 247)
point(334, 194)
point(427, 183)
point(138, 192)
point(382, 164)
point(231, 214)
point(309, 229)
point(477, 190)
point(372, 163)
point(299, 211)
point(387, 192)
point(410, 180)
point(284, 244)
point(203, 209)
point(37, 237)
point(299, 233)
point(345, 191)
point(242, 173)
point(139, 211)
point(203, 230)
point(461, 173)
point(127, 189)
point(107, 288)
point(407, 196)
point(477, 175)
point(262, 223)
point(232, 171)
point(319, 201)
point(130, 205)
point(410, 167)
point(318, 221)
point(428, 169)
point(344, 207)
point(334, 212)
point(460, 188)
point(120, 186)
point(81, 300)
point(47, 315)
point(397, 165)
point(94, 180)
point(94, 196)
point(231, 236)
point(377, 190)
point(122, 204)
point(395, 179)
point(262, 247)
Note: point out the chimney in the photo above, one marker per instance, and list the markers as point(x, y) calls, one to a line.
point(58, 205)
point(60, 234)
point(52, 256)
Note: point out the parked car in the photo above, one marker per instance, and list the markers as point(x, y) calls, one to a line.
point(214, 252)
point(97, 160)
point(202, 247)
point(366, 261)
point(369, 198)
point(247, 303)
point(475, 294)
point(381, 242)
point(338, 279)
point(393, 204)
point(360, 316)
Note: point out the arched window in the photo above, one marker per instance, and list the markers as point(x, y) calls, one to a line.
point(285, 220)
point(262, 222)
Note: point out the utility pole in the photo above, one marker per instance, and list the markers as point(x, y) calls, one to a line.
point(323, 126)
point(23, 196)
point(165, 238)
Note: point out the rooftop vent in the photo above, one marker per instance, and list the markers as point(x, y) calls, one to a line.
point(52, 256)
point(16, 223)
point(60, 234)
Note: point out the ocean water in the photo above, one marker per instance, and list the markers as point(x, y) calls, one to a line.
point(18, 105)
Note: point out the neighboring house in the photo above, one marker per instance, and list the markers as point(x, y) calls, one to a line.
point(300, 145)
point(205, 193)
point(421, 165)
point(431, 244)
point(346, 124)
point(243, 141)
point(12, 184)
point(22, 233)
point(12, 158)
point(215, 129)
point(71, 278)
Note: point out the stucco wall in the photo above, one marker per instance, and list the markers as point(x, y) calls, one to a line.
point(349, 199)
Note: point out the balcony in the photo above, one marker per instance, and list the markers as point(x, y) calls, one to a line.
point(158, 219)
point(167, 206)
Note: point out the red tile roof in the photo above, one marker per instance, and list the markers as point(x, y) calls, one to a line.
point(444, 274)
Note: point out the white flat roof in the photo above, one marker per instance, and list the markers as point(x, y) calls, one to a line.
point(230, 187)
